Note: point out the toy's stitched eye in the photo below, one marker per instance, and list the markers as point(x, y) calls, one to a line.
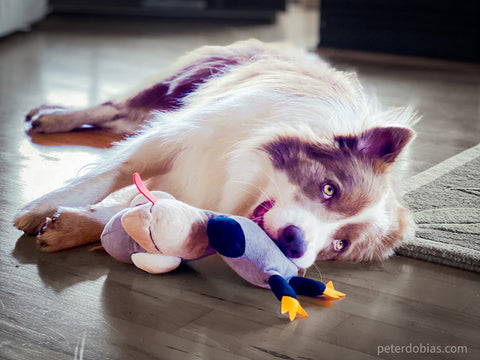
point(328, 191)
point(340, 245)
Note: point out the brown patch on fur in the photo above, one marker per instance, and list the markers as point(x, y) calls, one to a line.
point(395, 236)
point(374, 247)
point(350, 231)
point(356, 180)
point(402, 220)
point(146, 170)
point(365, 243)
point(381, 167)
point(197, 240)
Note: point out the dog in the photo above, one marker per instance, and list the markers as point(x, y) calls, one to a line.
point(264, 131)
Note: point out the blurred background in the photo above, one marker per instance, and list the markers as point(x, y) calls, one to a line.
point(79, 53)
point(433, 28)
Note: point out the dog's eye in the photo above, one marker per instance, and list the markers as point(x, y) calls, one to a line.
point(328, 191)
point(340, 245)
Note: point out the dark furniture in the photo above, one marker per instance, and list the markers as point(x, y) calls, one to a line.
point(431, 28)
point(264, 10)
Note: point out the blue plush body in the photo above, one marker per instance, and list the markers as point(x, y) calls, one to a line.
point(248, 250)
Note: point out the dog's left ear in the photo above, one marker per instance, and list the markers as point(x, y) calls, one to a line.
point(381, 143)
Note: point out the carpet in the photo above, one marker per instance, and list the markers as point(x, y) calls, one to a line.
point(445, 203)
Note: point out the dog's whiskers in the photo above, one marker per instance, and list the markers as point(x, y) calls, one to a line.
point(320, 275)
point(252, 185)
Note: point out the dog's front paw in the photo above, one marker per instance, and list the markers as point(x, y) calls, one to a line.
point(49, 119)
point(49, 238)
point(66, 229)
point(31, 220)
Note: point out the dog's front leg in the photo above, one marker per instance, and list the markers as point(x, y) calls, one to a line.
point(70, 227)
point(83, 191)
point(149, 158)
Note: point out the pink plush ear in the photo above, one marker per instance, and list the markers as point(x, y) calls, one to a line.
point(382, 143)
point(143, 189)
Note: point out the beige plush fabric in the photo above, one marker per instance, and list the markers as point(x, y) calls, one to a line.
point(445, 202)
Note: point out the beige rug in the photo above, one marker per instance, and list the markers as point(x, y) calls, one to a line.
point(445, 202)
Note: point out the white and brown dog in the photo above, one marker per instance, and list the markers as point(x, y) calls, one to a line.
point(251, 129)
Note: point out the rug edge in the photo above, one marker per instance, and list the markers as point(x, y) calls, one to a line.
point(410, 245)
point(434, 172)
point(415, 251)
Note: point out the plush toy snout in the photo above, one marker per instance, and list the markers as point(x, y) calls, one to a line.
point(136, 222)
point(168, 227)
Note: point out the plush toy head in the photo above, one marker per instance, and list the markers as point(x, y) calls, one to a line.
point(167, 227)
point(156, 230)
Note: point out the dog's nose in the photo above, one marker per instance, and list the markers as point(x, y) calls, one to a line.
point(291, 241)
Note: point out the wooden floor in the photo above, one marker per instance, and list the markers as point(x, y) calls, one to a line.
point(83, 304)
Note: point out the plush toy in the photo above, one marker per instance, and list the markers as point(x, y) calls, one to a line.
point(154, 238)
point(157, 232)
point(254, 256)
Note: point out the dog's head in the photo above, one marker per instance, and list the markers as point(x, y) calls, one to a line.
point(332, 199)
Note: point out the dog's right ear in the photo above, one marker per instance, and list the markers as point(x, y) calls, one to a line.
point(136, 222)
point(382, 144)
